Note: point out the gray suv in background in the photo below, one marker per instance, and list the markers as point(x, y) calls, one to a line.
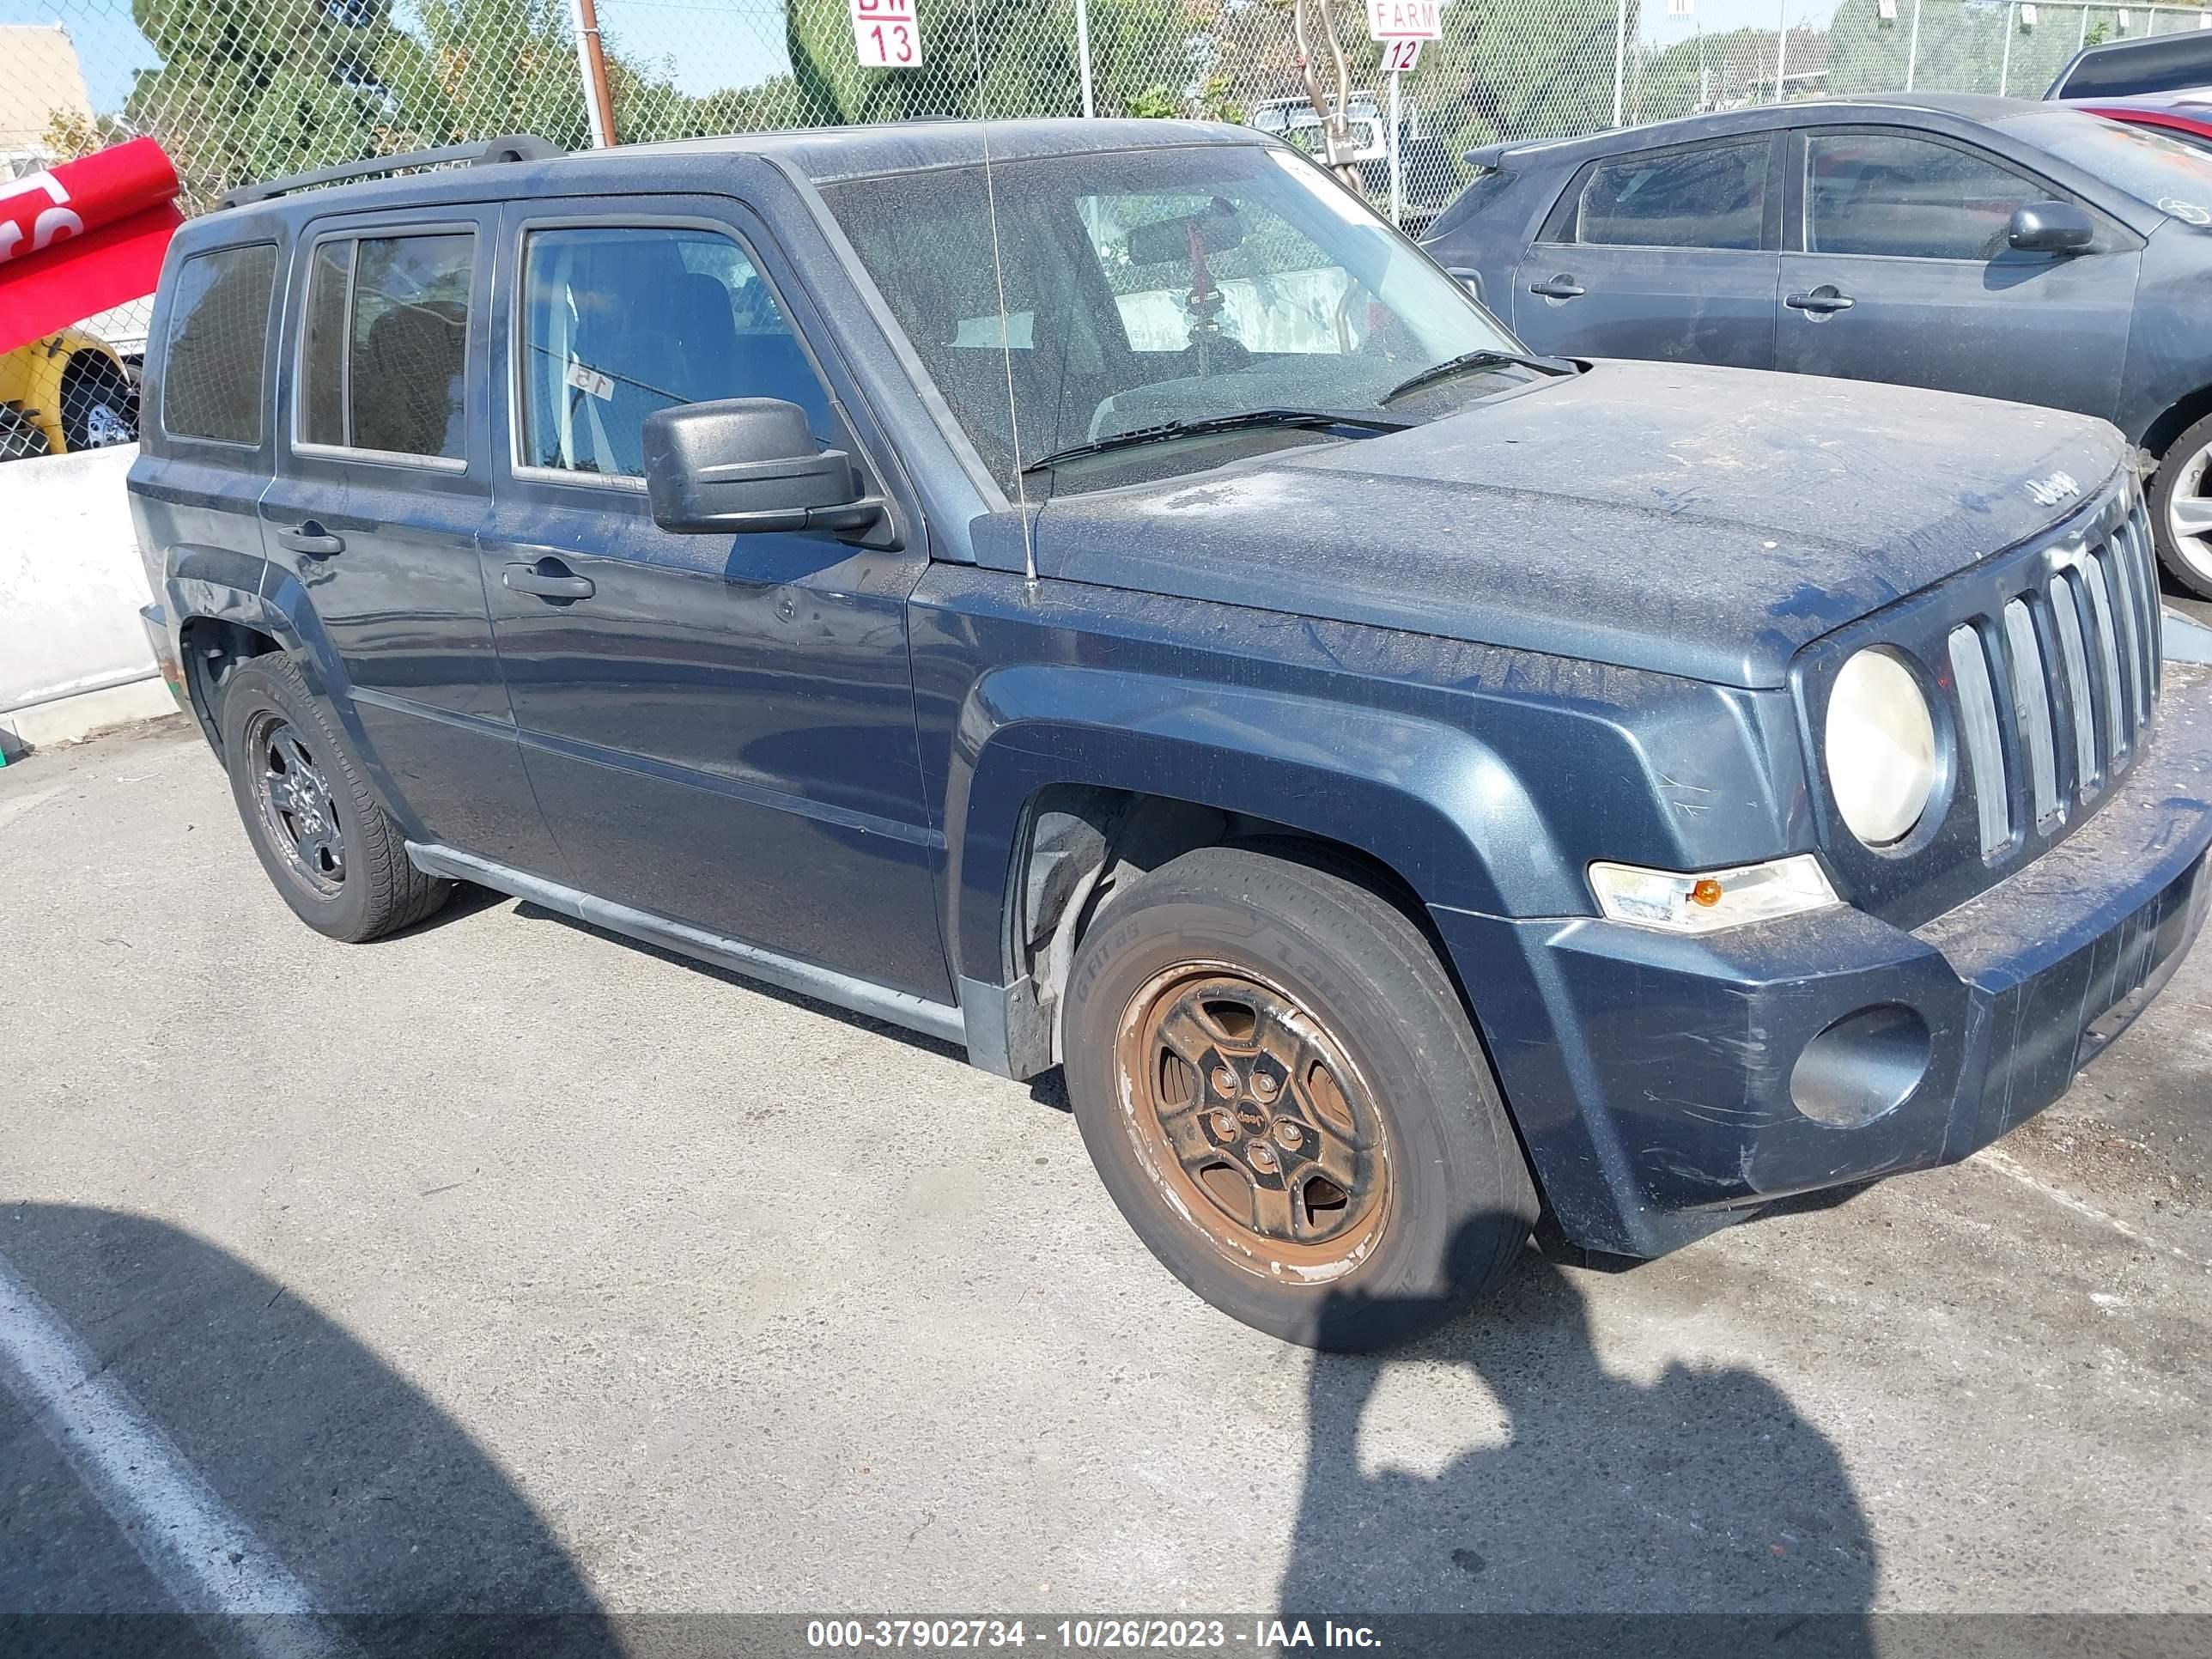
point(1992, 245)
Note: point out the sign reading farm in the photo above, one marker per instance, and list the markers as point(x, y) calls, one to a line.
point(1402, 20)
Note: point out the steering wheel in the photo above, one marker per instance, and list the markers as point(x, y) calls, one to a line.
point(1226, 355)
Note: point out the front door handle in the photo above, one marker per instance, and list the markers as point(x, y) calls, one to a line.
point(1821, 301)
point(1561, 287)
point(549, 579)
point(312, 540)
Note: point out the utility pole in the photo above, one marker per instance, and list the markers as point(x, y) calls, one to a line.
point(1619, 54)
point(1083, 52)
point(592, 69)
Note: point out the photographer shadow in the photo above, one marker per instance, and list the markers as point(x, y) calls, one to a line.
point(405, 1536)
point(1700, 1492)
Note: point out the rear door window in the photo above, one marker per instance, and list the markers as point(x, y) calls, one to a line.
point(1712, 197)
point(1901, 198)
point(384, 349)
point(617, 322)
point(212, 381)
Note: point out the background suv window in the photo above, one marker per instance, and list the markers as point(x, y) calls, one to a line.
point(387, 344)
point(211, 382)
point(620, 322)
point(1712, 196)
point(1884, 194)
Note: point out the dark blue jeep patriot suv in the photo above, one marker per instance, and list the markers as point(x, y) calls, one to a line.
point(1092, 593)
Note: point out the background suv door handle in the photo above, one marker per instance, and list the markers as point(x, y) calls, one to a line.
point(1562, 287)
point(549, 579)
point(311, 539)
point(1821, 301)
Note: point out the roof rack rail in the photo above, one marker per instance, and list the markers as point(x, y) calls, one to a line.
point(513, 147)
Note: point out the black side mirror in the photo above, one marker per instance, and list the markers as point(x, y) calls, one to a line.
point(2050, 228)
point(1470, 279)
point(748, 463)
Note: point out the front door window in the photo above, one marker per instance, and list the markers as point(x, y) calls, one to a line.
point(619, 322)
point(1904, 198)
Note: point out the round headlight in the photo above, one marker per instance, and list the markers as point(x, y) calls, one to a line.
point(1881, 747)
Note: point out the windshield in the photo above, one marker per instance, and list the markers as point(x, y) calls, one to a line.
point(1148, 287)
point(2149, 166)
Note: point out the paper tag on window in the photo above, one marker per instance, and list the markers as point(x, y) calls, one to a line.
point(591, 382)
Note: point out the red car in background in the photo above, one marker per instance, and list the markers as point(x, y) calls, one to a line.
point(2185, 115)
point(2160, 81)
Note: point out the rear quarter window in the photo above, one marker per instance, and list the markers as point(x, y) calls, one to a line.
point(213, 366)
point(1485, 188)
point(1709, 196)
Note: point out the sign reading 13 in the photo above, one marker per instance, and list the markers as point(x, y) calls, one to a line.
point(886, 33)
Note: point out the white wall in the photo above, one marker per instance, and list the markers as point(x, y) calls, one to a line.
point(73, 653)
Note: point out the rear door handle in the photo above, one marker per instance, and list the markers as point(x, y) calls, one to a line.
point(1562, 287)
point(312, 540)
point(549, 579)
point(1821, 301)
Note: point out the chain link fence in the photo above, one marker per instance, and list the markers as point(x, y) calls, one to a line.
point(241, 90)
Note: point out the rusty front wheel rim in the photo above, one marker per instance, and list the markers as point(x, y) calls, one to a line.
point(1253, 1123)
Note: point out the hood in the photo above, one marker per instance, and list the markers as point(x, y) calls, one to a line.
point(1704, 522)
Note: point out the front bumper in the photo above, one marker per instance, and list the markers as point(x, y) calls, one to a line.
point(1651, 1074)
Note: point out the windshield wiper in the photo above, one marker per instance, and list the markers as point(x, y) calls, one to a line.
point(1367, 420)
point(1487, 357)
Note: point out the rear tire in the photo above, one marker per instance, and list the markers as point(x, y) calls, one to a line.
point(1282, 1094)
point(2181, 492)
point(330, 848)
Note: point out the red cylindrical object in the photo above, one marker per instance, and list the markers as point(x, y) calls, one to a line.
point(71, 198)
point(81, 236)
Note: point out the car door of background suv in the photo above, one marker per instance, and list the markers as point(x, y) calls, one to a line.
point(384, 479)
point(1666, 254)
point(1895, 267)
point(721, 729)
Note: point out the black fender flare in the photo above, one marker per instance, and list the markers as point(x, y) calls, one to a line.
point(222, 584)
point(1429, 801)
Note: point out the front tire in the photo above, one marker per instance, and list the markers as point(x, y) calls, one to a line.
point(2181, 509)
point(1282, 1094)
point(330, 848)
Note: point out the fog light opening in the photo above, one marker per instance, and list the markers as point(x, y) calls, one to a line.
point(1865, 1065)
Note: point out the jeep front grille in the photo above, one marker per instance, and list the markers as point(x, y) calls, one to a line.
point(2057, 691)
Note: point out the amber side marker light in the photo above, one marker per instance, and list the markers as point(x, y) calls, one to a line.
point(1694, 902)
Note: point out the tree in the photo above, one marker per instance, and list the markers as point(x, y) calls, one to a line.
point(255, 88)
point(480, 69)
point(1001, 57)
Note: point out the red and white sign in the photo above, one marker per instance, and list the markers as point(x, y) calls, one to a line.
point(1404, 20)
point(82, 236)
point(886, 34)
point(1401, 55)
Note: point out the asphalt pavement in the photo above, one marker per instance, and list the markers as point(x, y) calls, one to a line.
point(504, 1265)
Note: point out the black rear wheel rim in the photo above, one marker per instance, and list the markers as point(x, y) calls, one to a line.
point(292, 794)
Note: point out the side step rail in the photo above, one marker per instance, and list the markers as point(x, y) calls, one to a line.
point(903, 1008)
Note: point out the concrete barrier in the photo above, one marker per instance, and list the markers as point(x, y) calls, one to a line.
point(73, 653)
